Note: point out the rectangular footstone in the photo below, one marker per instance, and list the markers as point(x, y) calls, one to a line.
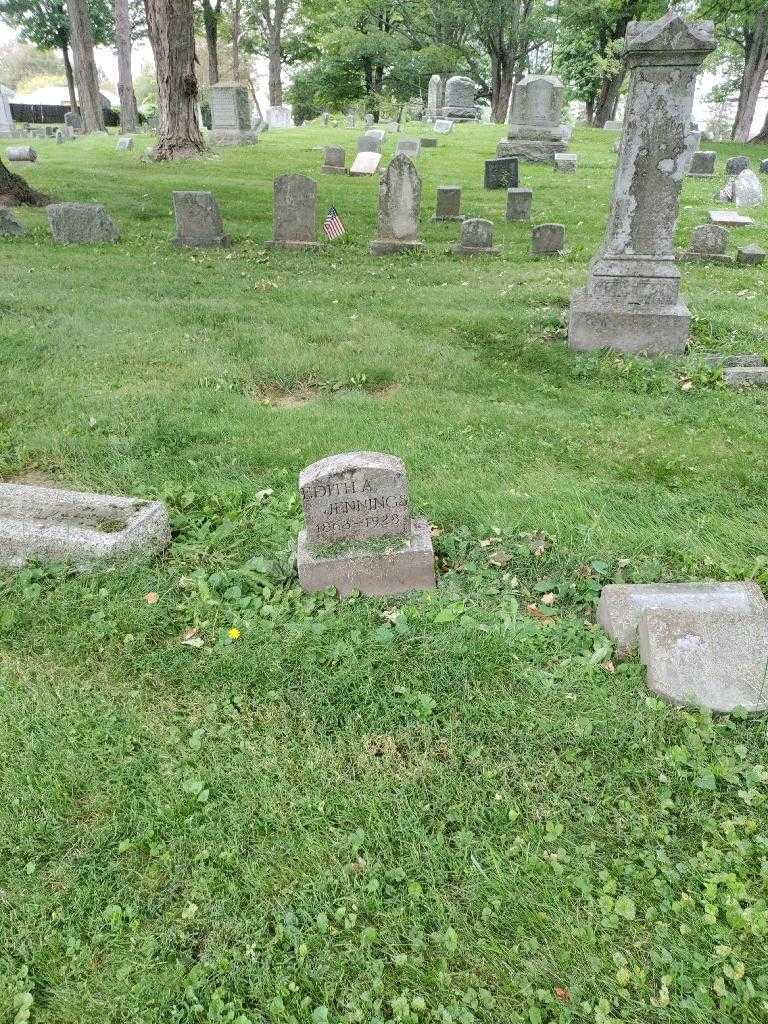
point(715, 658)
point(45, 524)
point(622, 605)
point(81, 223)
point(730, 219)
point(746, 376)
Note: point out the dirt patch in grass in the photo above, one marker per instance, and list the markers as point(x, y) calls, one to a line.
point(298, 395)
point(34, 477)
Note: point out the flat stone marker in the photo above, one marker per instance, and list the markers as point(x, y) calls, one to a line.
point(729, 218)
point(365, 164)
point(335, 160)
point(81, 223)
point(448, 206)
point(746, 376)
point(547, 238)
point(519, 202)
point(51, 525)
point(410, 147)
point(501, 173)
point(443, 126)
point(198, 220)
point(622, 605)
point(428, 143)
point(9, 226)
point(715, 659)
point(369, 144)
point(124, 144)
point(566, 162)
point(708, 245)
point(613, 126)
point(715, 359)
point(399, 205)
point(747, 190)
point(750, 255)
point(359, 534)
point(736, 165)
point(476, 238)
point(295, 213)
point(21, 154)
point(702, 164)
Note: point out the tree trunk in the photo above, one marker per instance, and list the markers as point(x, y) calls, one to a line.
point(172, 35)
point(762, 135)
point(755, 66)
point(86, 75)
point(128, 113)
point(607, 100)
point(275, 68)
point(502, 82)
point(70, 79)
point(589, 112)
point(236, 41)
point(14, 191)
point(211, 22)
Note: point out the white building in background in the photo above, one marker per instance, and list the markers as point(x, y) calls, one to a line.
point(58, 96)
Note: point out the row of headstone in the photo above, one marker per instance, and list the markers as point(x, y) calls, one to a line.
point(709, 244)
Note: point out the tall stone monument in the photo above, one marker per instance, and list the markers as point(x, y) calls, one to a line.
point(435, 97)
point(399, 206)
point(459, 102)
point(6, 121)
point(535, 130)
point(631, 302)
point(231, 115)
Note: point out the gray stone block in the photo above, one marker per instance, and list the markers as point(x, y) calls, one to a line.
point(9, 226)
point(476, 238)
point(547, 238)
point(295, 213)
point(365, 165)
point(501, 173)
point(21, 154)
point(708, 245)
point(448, 207)
point(702, 164)
point(750, 255)
point(714, 658)
point(519, 202)
point(124, 144)
point(715, 359)
point(399, 206)
point(736, 165)
point(730, 219)
point(81, 223)
point(566, 162)
point(623, 604)
point(746, 376)
point(335, 160)
point(410, 147)
point(595, 324)
point(49, 525)
point(428, 143)
point(530, 150)
point(198, 221)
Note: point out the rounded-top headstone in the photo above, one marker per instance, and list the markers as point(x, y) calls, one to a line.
point(747, 190)
point(335, 158)
point(357, 496)
point(737, 164)
point(476, 235)
point(537, 100)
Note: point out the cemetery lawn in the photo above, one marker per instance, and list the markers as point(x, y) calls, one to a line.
point(223, 800)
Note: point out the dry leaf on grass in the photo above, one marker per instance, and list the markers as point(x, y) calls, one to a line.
point(152, 597)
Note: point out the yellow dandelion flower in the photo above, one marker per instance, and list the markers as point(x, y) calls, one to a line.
point(234, 633)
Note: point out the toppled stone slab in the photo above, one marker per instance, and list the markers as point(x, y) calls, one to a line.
point(81, 223)
point(712, 658)
point(750, 255)
point(746, 376)
point(49, 525)
point(623, 604)
point(21, 154)
point(715, 359)
point(365, 164)
point(729, 218)
point(9, 226)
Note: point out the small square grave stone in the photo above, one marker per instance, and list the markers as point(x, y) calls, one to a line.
point(708, 245)
point(295, 213)
point(9, 226)
point(443, 126)
point(746, 376)
point(448, 207)
point(750, 255)
point(702, 164)
point(547, 238)
point(369, 144)
point(124, 144)
point(519, 202)
point(428, 143)
point(81, 223)
point(335, 160)
point(736, 165)
point(476, 238)
point(501, 173)
point(566, 162)
point(410, 147)
point(198, 221)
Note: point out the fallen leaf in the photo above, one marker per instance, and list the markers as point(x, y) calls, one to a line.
point(500, 559)
point(563, 994)
point(535, 613)
point(608, 666)
point(687, 385)
point(548, 599)
point(152, 597)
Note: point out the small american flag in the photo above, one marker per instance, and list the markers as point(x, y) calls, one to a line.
point(333, 225)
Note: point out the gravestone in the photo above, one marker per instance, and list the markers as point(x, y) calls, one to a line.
point(708, 245)
point(717, 359)
point(702, 164)
point(124, 144)
point(21, 154)
point(198, 221)
point(365, 164)
point(476, 238)
point(9, 226)
point(750, 255)
point(443, 126)
point(279, 117)
point(231, 115)
point(519, 202)
point(359, 533)
point(81, 223)
point(764, 166)
point(335, 160)
point(613, 126)
point(730, 218)
point(410, 147)
point(295, 213)
point(377, 133)
point(370, 120)
point(351, 119)
point(428, 143)
point(501, 173)
point(326, 118)
point(399, 204)
point(566, 162)
point(6, 119)
point(59, 137)
point(736, 165)
point(369, 144)
point(448, 207)
point(747, 190)
point(435, 97)
point(535, 130)
point(746, 376)
point(45, 524)
point(74, 120)
point(547, 238)
point(631, 302)
point(459, 102)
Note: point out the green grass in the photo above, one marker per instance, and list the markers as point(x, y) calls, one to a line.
point(442, 809)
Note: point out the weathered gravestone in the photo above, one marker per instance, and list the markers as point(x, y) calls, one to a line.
point(74, 120)
point(519, 202)
point(21, 154)
point(547, 238)
point(746, 376)
point(370, 120)
point(410, 147)
point(6, 119)
point(750, 255)
point(459, 102)
point(631, 302)
point(326, 118)
point(566, 162)
point(198, 220)
point(428, 143)
point(501, 172)
point(124, 144)
point(736, 165)
point(359, 534)
point(613, 126)
point(334, 160)
point(81, 223)
point(365, 164)
point(747, 190)
point(534, 123)
point(279, 117)
point(708, 245)
point(764, 166)
point(730, 218)
point(443, 126)
point(295, 213)
point(44, 524)
point(59, 137)
point(476, 238)
point(435, 97)
point(399, 205)
point(702, 164)
point(448, 206)
point(369, 144)
point(9, 226)
point(231, 115)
